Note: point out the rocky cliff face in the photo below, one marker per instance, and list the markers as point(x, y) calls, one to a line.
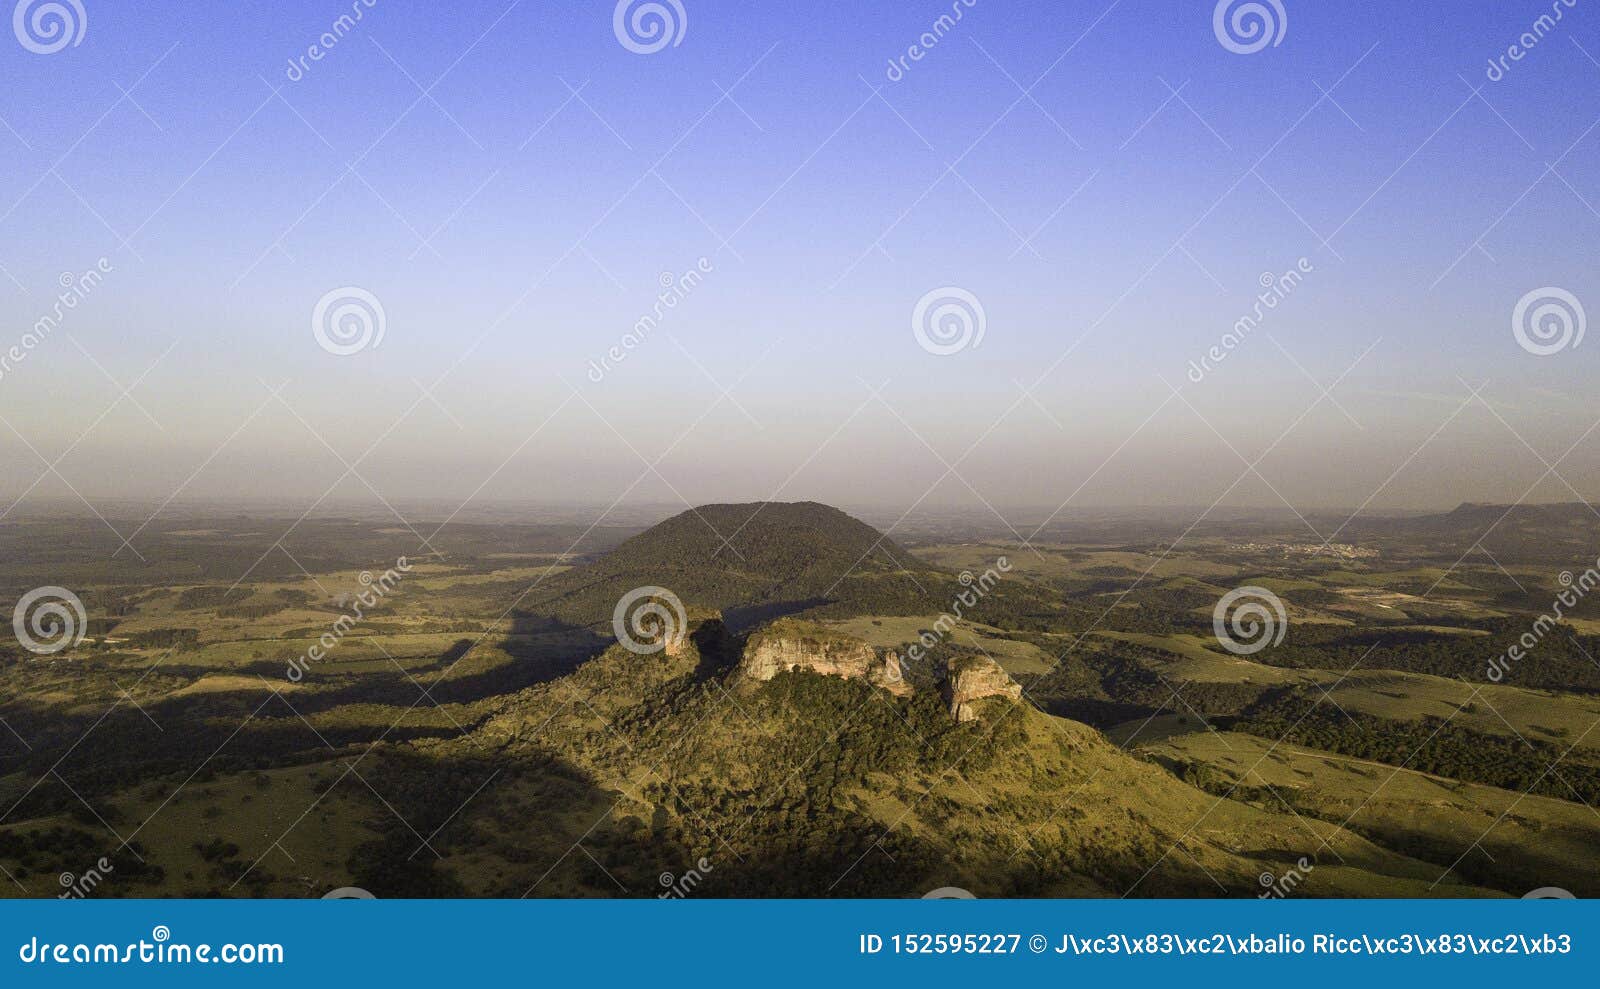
point(792, 646)
point(973, 678)
point(789, 645)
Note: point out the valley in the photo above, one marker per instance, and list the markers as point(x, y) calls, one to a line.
point(807, 705)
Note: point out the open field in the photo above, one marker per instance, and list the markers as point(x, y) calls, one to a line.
point(455, 726)
point(1498, 837)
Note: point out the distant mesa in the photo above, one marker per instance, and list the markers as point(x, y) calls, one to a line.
point(1484, 514)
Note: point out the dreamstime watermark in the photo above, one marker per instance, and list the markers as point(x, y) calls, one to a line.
point(645, 27)
point(1549, 320)
point(948, 893)
point(1574, 589)
point(159, 950)
point(349, 320)
point(1245, 27)
point(679, 887)
point(929, 39)
point(1274, 289)
point(348, 893)
point(1249, 619)
point(1529, 39)
point(948, 320)
point(1548, 893)
point(1279, 887)
point(975, 589)
point(674, 289)
point(48, 620)
point(649, 619)
point(375, 589)
point(328, 40)
point(45, 27)
point(80, 886)
point(75, 288)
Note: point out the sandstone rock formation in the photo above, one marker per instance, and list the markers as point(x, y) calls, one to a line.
point(971, 679)
point(791, 646)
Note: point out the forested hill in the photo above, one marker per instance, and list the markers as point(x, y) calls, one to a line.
point(773, 540)
point(754, 561)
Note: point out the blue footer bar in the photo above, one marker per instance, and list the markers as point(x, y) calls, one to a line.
point(779, 943)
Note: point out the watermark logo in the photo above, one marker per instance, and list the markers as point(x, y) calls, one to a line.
point(1541, 28)
point(1247, 27)
point(1573, 590)
point(974, 589)
point(674, 290)
point(1275, 288)
point(45, 27)
point(647, 27)
point(1249, 619)
point(1278, 887)
point(327, 41)
point(948, 320)
point(948, 893)
point(649, 619)
point(1548, 893)
point(349, 320)
point(1549, 320)
point(75, 289)
point(679, 887)
point(48, 620)
point(928, 40)
point(79, 887)
point(348, 893)
point(159, 950)
point(374, 590)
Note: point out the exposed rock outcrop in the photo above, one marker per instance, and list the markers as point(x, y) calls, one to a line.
point(792, 646)
point(703, 631)
point(973, 678)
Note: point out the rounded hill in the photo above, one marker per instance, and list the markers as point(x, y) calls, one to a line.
point(753, 562)
point(782, 541)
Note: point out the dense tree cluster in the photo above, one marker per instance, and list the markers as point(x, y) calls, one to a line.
point(1431, 745)
point(1561, 660)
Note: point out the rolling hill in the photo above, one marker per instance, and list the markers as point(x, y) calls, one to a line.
point(753, 562)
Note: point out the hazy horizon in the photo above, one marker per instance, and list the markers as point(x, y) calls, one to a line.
point(273, 503)
point(1109, 182)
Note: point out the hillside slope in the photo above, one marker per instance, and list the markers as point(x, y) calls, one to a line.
point(753, 562)
point(631, 769)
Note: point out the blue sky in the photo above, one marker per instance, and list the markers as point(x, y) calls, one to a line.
point(1109, 180)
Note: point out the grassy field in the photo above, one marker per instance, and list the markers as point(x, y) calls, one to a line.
point(491, 718)
point(1487, 834)
point(1499, 709)
point(1018, 658)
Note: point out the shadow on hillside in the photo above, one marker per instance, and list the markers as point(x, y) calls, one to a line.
point(99, 751)
point(718, 648)
point(542, 827)
point(742, 618)
point(1101, 714)
point(530, 822)
point(541, 649)
point(83, 761)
